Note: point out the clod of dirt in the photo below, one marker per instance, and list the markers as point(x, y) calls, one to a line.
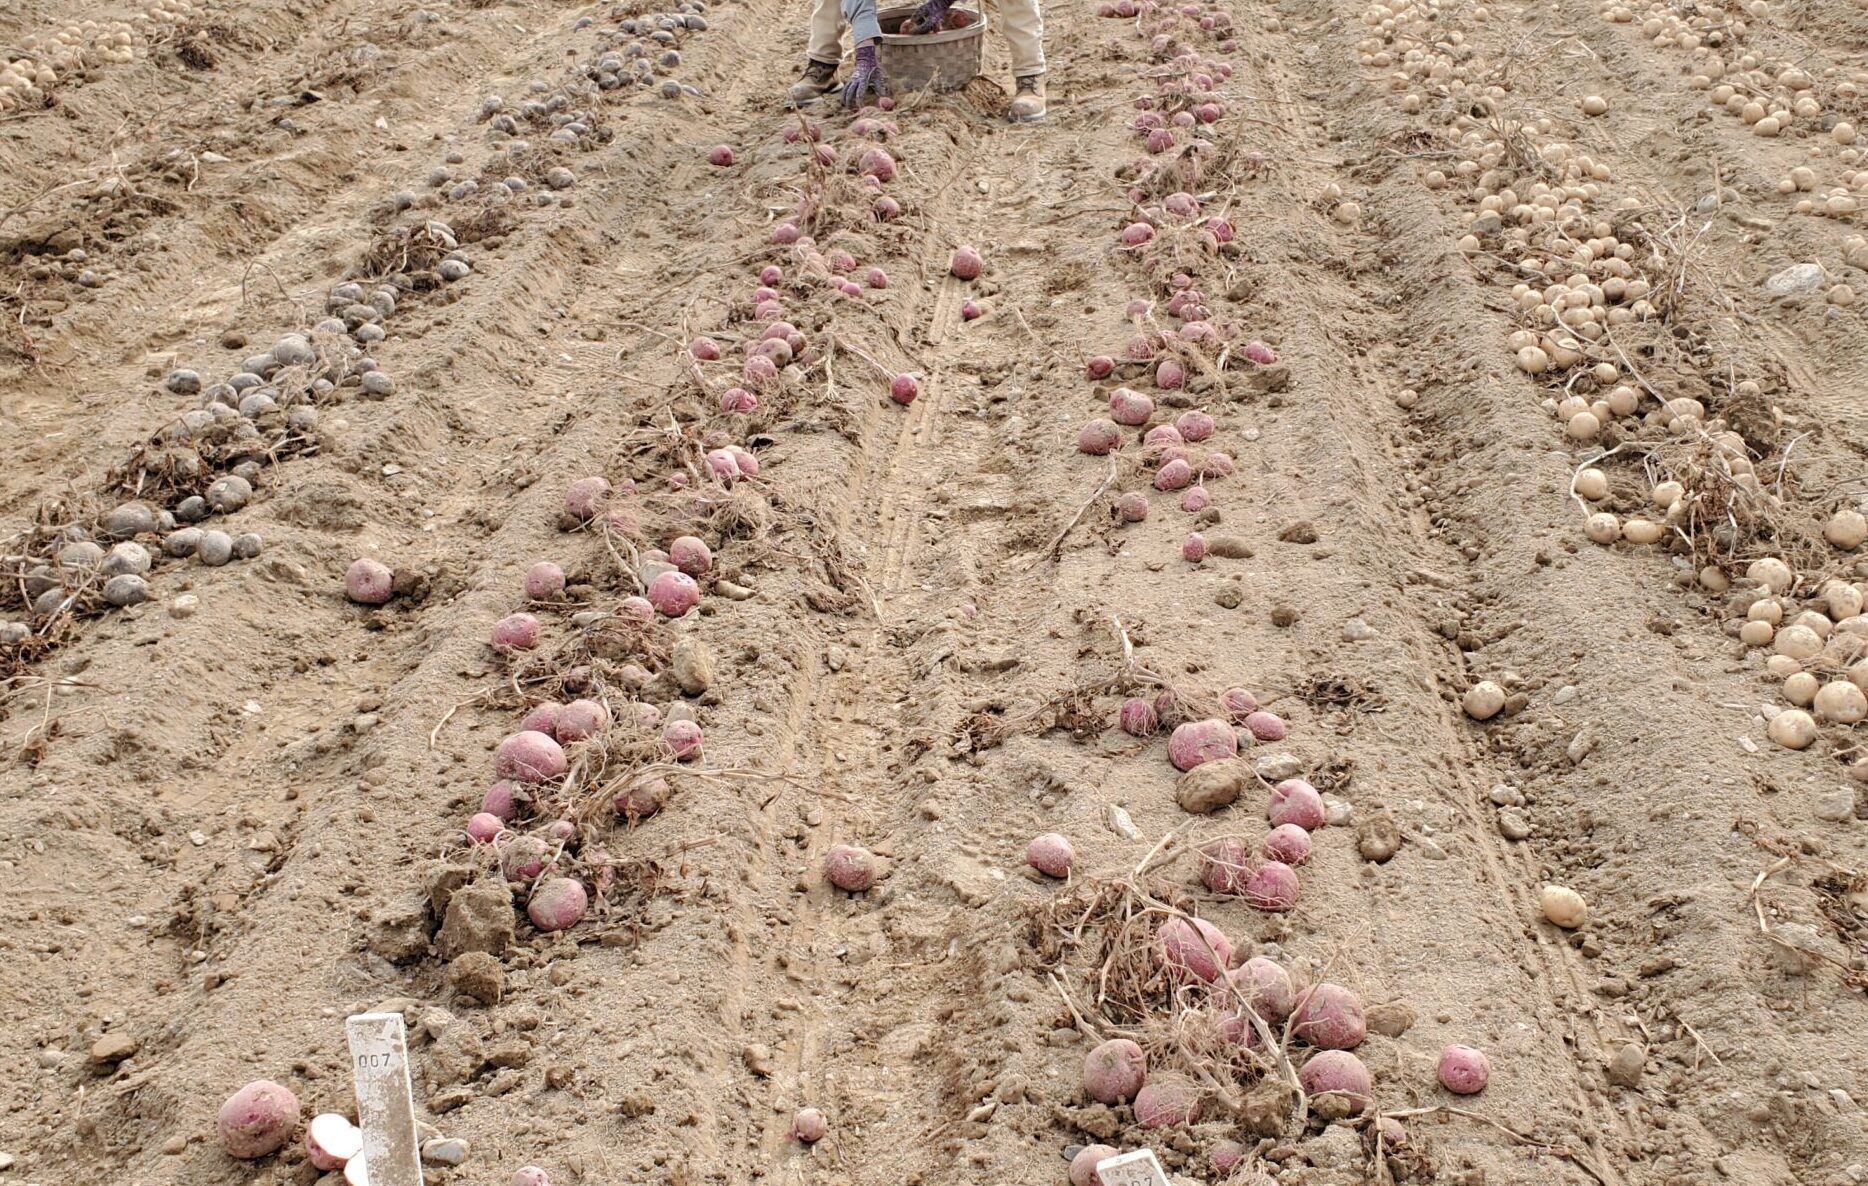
point(1391, 1019)
point(479, 976)
point(1626, 1067)
point(1378, 837)
point(1212, 785)
point(479, 919)
point(1228, 547)
point(1302, 532)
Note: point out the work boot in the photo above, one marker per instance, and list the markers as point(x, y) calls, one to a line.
point(820, 78)
point(1028, 104)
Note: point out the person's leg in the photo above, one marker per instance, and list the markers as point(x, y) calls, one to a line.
point(1024, 38)
point(826, 29)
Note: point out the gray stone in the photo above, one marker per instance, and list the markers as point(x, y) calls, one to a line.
point(1796, 280)
point(1512, 825)
point(444, 1151)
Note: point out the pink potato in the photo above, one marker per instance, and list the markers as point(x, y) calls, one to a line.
point(1193, 548)
point(1226, 1156)
point(523, 858)
point(971, 310)
point(638, 608)
point(483, 827)
point(257, 1120)
point(785, 234)
point(888, 209)
point(544, 581)
point(1265, 726)
point(723, 466)
point(705, 349)
point(1393, 1134)
point(1158, 438)
point(642, 799)
point(1272, 887)
point(1194, 425)
point(1260, 353)
point(1196, 743)
point(850, 868)
point(1137, 233)
point(1132, 507)
point(771, 274)
point(877, 163)
point(1220, 229)
point(1295, 801)
point(967, 264)
point(1225, 866)
point(1329, 1017)
point(369, 582)
point(529, 1175)
point(1175, 475)
point(1192, 950)
point(500, 802)
point(584, 498)
point(903, 389)
point(1130, 407)
point(691, 555)
point(682, 740)
point(760, 371)
point(1083, 1165)
point(1099, 437)
point(581, 720)
point(1167, 1100)
point(1050, 854)
point(331, 1140)
point(543, 719)
point(1463, 1070)
point(1267, 986)
point(875, 278)
point(1114, 1071)
point(1286, 843)
point(557, 904)
point(674, 593)
point(1238, 703)
point(738, 399)
point(720, 154)
point(1170, 375)
point(1137, 717)
point(1338, 1078)
point(1100, 366)
point(810, 1125)
point(748, 464)
point(1195, 500)
point(528, 756)
point(515, 632)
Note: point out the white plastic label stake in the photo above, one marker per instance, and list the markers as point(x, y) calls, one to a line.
point(1132, 1169)
point(379, 1061)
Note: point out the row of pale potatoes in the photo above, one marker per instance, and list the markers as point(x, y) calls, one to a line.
point(45, 59)
point(1581, 306)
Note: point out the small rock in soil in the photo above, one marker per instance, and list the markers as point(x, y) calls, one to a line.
point(112, 1049)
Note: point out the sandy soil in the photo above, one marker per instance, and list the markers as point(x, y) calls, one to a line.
point(233, 820)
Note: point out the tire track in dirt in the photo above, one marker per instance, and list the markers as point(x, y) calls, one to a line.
point(860, 715)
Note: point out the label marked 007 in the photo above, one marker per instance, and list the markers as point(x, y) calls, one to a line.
point(379, 1060)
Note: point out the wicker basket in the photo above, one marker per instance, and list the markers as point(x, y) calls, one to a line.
point(944, 61)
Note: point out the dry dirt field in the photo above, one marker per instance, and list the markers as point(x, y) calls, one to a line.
point(1530, 341)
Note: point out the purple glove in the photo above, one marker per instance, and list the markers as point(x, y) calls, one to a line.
point(927, 18)
point(865, 79)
